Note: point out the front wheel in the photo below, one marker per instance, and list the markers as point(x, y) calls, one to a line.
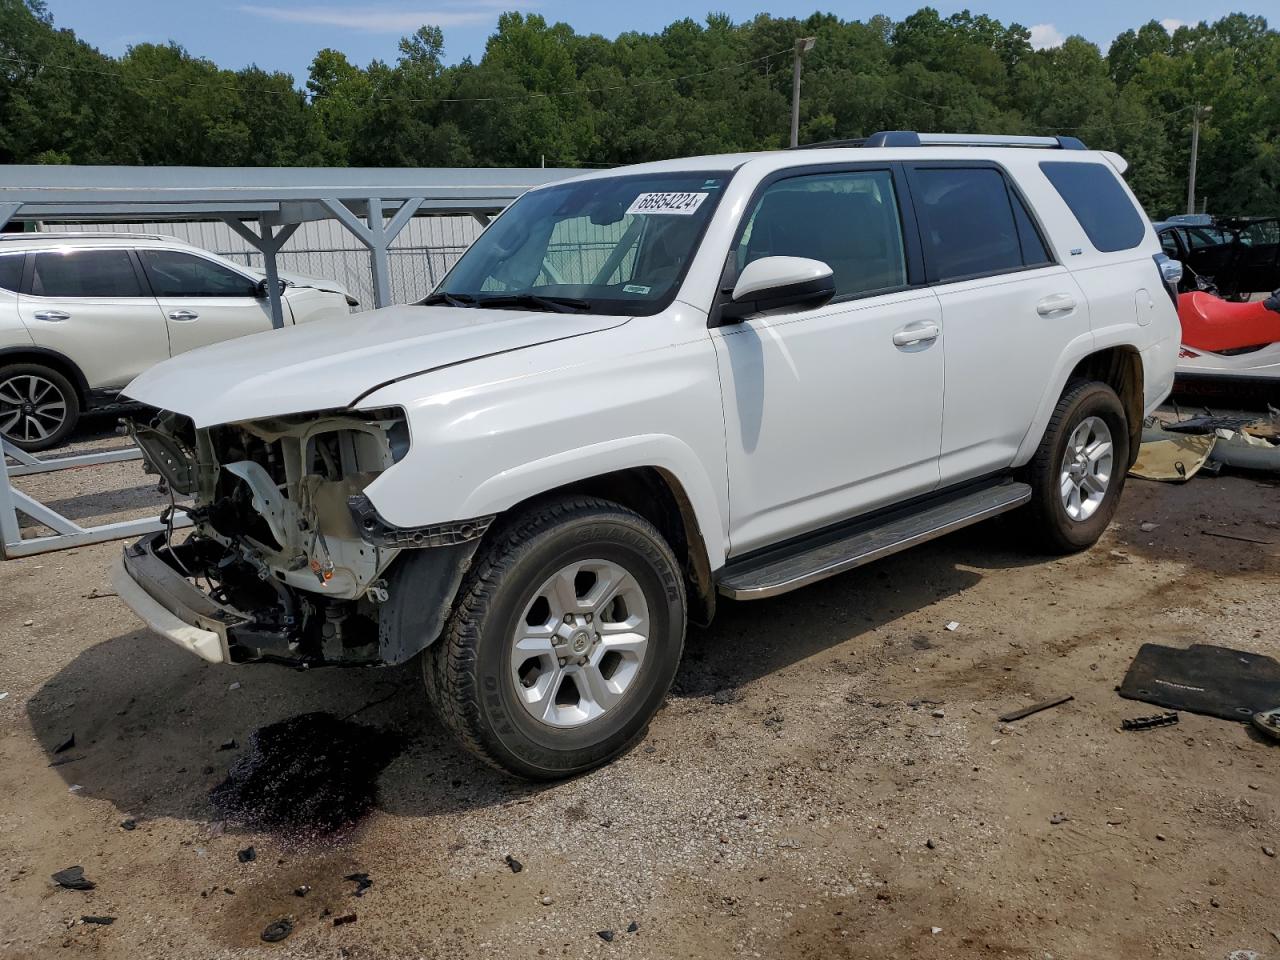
point(564, 641)
point(1079, 469)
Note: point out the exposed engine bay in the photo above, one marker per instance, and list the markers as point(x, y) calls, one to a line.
point(284, 542)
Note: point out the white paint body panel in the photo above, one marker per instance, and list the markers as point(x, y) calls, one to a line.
point(772, 427)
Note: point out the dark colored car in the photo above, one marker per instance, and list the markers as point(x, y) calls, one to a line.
point(1231, 256)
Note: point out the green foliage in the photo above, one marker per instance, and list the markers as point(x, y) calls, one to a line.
point(541, 91)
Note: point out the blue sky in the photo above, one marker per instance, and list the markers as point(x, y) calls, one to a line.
point(285, 34)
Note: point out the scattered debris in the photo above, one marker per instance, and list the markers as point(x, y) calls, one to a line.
point(101, 921)
point(1269, 851)
point(63, 761)
point(1236, 536)
point(546, 901)
point(301, 891)
point(228, 744)
point(515, 865)
point(929, 844)
point(605, 935)
point(73, 878)
point(5, 695)
point(935, 930)
point(95, 595)
point(1146, 526)
point(129, 824)
point(234, 686)
point(66, 744)
point(312, 772)
point(247, 855)
point(28, 623)
point(362, 883)
point(75, 788)
point(1146, 723)
point(1058, 818)
point(1207, 679)
point(952, 625)
point(343, 920)
point(1173, 459)
point(277, 930)
point(1160, 837)
point(632, 927)
point(1013, 715)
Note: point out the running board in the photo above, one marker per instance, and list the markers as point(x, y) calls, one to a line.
point(801, 562)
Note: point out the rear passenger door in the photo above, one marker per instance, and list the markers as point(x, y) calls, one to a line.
point(1008, 309)
point(204, 301)
point(90, 305)
point(834, 411)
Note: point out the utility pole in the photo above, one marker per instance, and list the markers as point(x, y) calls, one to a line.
point(1195, 151)
point(803, 46)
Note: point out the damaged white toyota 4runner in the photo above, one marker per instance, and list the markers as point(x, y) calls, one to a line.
point(642, 388)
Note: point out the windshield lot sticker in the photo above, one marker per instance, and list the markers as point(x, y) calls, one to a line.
point(678, 203)
point(636, 288)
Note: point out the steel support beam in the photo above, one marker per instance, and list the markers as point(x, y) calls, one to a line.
point(374, 235)
point(268, 243)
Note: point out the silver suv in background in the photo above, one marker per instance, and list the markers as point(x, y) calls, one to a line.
point(83, 314)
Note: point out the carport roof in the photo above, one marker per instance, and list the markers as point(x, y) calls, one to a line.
point(277, 195)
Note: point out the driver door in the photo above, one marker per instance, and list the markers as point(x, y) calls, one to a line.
point(835, 411)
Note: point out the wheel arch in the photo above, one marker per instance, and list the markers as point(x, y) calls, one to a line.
point(52, 359)
point(656, 494)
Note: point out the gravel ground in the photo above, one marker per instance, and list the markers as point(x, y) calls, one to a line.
point(827, 780)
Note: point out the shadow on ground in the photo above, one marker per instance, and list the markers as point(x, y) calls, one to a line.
point(151, 721)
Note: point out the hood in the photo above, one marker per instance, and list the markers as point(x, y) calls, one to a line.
point(329, 364)
point(301, 280)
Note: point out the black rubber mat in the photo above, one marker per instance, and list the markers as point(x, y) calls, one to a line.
point(1230, 684)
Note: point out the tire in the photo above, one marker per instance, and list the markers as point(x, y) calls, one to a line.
point(44, 423)
point(535, 713)
point(1057, 524)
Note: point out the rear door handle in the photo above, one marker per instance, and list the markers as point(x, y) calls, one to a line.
point(183, 315)
point(924, 332)
point(1057, 305)
point(52, 316)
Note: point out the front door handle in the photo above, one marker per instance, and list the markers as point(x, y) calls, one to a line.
point(52, 316)
point(925, 332)
point(1057, 305)
point(183, 315)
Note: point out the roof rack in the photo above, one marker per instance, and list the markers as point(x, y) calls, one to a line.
point(87, 235)
point(910, 138)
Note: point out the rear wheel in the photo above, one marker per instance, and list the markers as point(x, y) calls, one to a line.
point(38, 406)
point(1079, 469)
point(565, 638)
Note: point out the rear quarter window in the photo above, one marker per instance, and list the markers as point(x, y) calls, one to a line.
point(11, 271)
point(1099, 202)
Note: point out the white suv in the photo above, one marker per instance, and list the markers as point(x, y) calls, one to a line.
point(643, 388)
point(83, 314)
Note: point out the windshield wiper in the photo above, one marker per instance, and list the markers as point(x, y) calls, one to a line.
point(536, 300)
point(449, 299)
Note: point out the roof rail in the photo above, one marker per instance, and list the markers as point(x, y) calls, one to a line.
point(87, 235)
point(909, 138)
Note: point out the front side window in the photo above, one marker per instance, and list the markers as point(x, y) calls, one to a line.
point(1098, 202)
point(11, 271)
point(611, 245)
point(175, 274)
point(967, 223)
point(84, 273)
point(848, 220)
point(1169, 243)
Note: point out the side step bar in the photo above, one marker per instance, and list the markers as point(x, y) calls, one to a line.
point(817, 556)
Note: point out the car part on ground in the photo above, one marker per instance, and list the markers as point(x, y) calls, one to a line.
point(1203, 678)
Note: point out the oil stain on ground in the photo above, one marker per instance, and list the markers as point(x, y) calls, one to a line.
point(313, 773)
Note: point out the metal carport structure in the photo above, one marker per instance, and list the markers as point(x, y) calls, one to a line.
point(374, 204)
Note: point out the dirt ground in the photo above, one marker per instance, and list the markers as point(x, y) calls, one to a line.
point(828, 779)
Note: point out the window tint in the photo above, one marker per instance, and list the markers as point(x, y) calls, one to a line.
point(84, 273)
point(11, 272)
point(1034, 253)
point(849, 221)
point(174, 274)
point(966, 222)
point(1099, 203)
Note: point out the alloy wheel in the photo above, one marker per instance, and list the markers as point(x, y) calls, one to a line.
point(32, 408)
point(1086, 468)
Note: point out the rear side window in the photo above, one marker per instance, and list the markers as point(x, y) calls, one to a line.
point(1099, 203)
point(11, 272)
point(967, 223)
point(174, 274)
point(849, 221)
point(84, 273)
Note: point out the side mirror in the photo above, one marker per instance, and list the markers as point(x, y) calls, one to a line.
point(261, 291)
point(774, 282)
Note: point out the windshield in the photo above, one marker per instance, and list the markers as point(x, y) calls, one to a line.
point(616, 245)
